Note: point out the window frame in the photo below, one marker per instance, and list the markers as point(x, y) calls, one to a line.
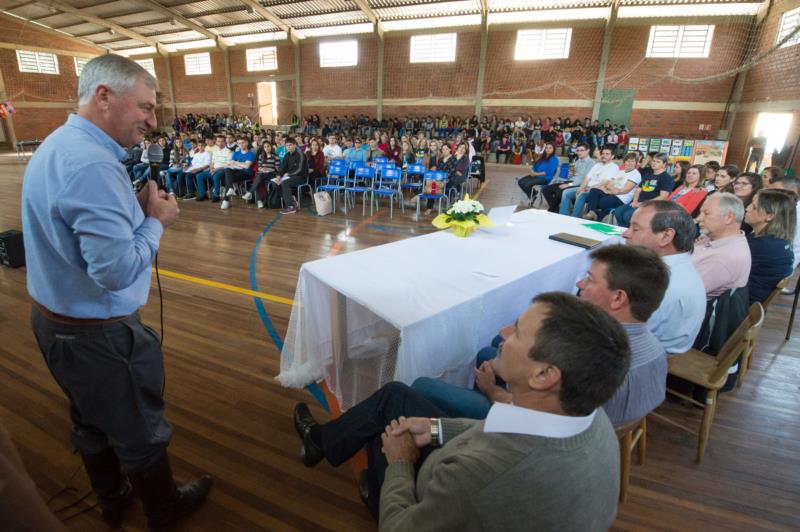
point(677, 48)
point(197, 65)
point(80, 59)
point(540, 54)
point(339, 61)
point(784, 28)
point(152, 64)
point(260, 50)
point(37, 58)
point(431, 48)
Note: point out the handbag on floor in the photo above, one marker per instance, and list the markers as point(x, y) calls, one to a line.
point(274, 197)
point(323, 203)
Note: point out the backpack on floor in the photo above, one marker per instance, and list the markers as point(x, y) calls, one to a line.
point(274, 197)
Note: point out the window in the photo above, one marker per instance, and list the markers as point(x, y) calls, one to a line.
point(80, 62)
point(679, 41)
point(197, 64)
point(551, 43)
point(262, 59)
point(37, 62)
point(438, 48)
point(789, 22)
point(338, 54)
point(148, 65)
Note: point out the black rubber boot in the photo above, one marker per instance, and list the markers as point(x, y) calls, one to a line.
point(114, 493)
point(164, 502)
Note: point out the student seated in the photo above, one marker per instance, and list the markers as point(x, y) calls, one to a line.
point(547, 461)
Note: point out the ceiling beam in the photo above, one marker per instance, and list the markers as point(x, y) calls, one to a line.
point(294, 35)
point(80, 13)
point(84, 42)
point(158, 8)
point(364, 6)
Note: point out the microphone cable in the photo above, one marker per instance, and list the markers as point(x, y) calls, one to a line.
point(160, 301)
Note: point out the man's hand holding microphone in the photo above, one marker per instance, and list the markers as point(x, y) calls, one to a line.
point(158, 204)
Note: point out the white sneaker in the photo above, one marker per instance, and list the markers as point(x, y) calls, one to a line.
point(260, 204)
point(225, 205)
point(229, 192)
point(247, 197)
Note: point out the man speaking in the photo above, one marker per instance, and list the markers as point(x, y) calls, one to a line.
point(89, 244)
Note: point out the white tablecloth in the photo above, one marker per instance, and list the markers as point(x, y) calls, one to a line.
point(422, 306)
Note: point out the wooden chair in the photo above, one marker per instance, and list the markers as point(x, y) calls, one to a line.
point(629, 436)
point(747, 360)
point(711, 372)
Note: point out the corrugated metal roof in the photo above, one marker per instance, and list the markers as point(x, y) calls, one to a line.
point(86, 28)
point(241, 29)
point(438, 9)
point(32, 11)
point(528, 5)
point(111, 9)
point(333, 19)
point(307, 8)
point(199, 8)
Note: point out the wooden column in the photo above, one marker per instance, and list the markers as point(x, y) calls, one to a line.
point(482, 61)
point(298, 103)
point(229, 87)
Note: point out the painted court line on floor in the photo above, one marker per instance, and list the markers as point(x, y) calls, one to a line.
point(227, 287)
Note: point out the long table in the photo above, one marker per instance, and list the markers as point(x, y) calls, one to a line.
point(422, 306)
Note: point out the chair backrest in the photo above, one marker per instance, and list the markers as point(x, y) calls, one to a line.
point(381, 160)
point(420, 160)
point(416, 169)
point(780, 286)
point(743, 339)
point(394, 174)
point(337, 171)
point(356, 164)
point(338, 162)
point(441, 175)
point(564, 171)
point(366, 172)
point(435, 175)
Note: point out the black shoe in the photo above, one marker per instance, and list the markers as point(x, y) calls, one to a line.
point(363, 493)
point(188, 197)
point(114, 492)
point(201, 198)
point(310, 453)
point(164, 502)
point(214, 199)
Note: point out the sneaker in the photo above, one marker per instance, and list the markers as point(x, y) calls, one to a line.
point(591, 215)
point(225, 205)
point(247, 197)
point(189, 197)
point(290, 210)
point(260, 204)
point(215, 199)
point(229, 193)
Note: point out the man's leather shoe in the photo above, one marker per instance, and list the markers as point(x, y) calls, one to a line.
point(310, 453)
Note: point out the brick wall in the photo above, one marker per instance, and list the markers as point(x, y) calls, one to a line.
point(342, 82)
point(198, 89)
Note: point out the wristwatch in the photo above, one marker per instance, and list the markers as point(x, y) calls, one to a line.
point(436, 436)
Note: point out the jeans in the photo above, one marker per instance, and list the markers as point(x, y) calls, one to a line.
point(215, 178)
point(567, 199)
point(113, 377)
point(623, 214)
point(173, 173)
point(362, 426)
point(601, 202)
point(580, 201)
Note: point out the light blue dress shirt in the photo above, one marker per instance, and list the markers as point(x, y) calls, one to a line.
point(88, 246)
point(678, 319)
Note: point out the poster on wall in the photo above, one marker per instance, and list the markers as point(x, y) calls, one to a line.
point(665, 144)
point(655, 145)
point(688, 149)
point(643, 145)
point(675, 150)
point(710, 150)
point(633, 143)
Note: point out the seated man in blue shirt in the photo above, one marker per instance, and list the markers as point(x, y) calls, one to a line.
point(356, 153)
point(238, 169)
point(628, 282)
point(89, 245)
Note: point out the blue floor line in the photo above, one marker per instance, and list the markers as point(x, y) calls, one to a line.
point(262, 312)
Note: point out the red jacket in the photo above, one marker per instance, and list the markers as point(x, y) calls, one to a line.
point(316, 163)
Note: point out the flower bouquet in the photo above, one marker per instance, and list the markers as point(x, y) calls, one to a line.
point(464, 217)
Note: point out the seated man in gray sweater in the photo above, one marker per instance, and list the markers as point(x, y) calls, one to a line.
point(549, 460)
point(628, 282)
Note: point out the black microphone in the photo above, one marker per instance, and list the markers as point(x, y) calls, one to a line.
point(155, 154)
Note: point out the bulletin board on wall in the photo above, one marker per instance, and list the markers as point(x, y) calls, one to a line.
point(678, 149)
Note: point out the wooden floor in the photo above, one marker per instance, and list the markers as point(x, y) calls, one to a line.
point(233, 420)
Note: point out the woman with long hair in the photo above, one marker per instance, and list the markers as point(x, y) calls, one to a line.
point(316, 163)
point(393, 152)
point(773, 216)
point(407, 155)
point(267, 169)
point(691, 193)
point(434, 155)
point(543, 170)
point(746, 186)
point(679, 172)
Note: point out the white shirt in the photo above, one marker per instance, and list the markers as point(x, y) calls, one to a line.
point(622, 179)
point(200, 160)
point(332, 151)
point(511, 419)
point(601, 172)
point(678, 319)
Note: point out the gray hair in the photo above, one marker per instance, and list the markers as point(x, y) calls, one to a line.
point(114, 71)
point(663, 157)
point(670, 215)
point(729, 204)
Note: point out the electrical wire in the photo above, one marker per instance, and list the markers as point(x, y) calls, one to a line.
point(160, 300)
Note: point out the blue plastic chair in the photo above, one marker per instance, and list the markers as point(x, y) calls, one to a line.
point(414, 175)
point(563, 171)
point(389, 187)
point(441, 178)
point(361, 184)
point(333, 182)
point(380, 160)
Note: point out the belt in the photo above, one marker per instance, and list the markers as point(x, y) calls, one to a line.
point(81, 322)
